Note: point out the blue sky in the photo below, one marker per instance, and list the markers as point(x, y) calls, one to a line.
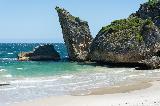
point(37, 20)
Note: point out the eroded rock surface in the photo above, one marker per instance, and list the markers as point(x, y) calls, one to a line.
point(152, 63)
point(76, 34)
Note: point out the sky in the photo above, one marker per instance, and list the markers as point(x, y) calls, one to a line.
point(30, 21)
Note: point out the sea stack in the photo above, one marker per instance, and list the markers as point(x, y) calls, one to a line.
point(40, 53)
point(76, 34)
point(128, 41)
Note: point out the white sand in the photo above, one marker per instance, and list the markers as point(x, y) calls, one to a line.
point(144, 97)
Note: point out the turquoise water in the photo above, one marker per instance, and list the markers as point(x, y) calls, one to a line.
point(31, 80)
point(39, 69)
point(10, 50)
point(9, 66)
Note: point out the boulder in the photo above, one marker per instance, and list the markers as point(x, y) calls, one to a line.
point(40, 53)
point(76, 34)
point(128, 40)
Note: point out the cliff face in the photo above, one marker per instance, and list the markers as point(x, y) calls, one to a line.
point(135, 40)
point(76, 34)
point(150, 10)
point(126, 41)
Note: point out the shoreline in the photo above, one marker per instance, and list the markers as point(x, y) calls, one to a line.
point(142, 93)
point(123, 88)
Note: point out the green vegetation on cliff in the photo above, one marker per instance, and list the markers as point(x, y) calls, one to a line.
point(150, 10)
point(153, 2)
point(130, 23)
point(127, 27)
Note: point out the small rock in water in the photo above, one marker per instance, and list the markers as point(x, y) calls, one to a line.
point(4, 84)
point(40, 53)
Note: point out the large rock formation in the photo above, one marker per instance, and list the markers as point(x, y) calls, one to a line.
point(76, 35)
point(40, 53)
point(126, 41)
point(150, 10)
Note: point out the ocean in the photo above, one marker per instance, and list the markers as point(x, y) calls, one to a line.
point(31, 80)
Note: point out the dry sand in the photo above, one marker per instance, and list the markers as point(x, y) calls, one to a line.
point(142, 93)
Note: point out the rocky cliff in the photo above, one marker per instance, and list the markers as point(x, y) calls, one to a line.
point(150, 10)
point(40, 53)
point(126, 41)
point(76, 34)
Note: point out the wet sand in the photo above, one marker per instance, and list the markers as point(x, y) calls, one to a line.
point(123, 88)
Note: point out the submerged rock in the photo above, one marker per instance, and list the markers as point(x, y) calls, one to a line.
point(126, 41)
point(76, 34)
point(150, 10)
point(4, 84)
point(40, 53)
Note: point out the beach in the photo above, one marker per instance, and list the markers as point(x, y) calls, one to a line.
point(144, 93)
point(63, 83)
point(79, 55)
